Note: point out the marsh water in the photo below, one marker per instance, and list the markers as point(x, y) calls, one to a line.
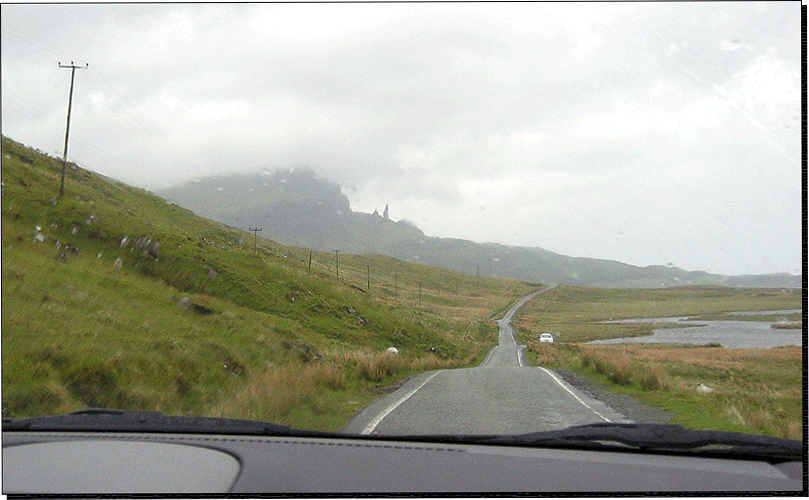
point(734, 334)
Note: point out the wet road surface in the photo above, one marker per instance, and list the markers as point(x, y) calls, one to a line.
point(501, 396)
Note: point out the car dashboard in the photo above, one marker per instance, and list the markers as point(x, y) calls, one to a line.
point(180, 463)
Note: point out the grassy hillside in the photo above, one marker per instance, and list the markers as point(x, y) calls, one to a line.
point(113, 297)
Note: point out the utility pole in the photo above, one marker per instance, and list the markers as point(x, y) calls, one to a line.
point(255, 237)
point(337, 259)
point(73, 69)
point(369, 278)
point(310, 262)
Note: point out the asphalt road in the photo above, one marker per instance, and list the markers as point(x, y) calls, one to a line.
point(501, 396)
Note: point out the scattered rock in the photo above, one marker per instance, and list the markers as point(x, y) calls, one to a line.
point(154, 249)
point(39, 237)
point(124, 242)
point(147, 246)
point(733, 414)
point(118, 264)
point(60, 256)
point(392, 350)
point(703, 389)
point(212, 273)
point(305, 352)
point(350, 310)
point(142, 242)
point(70, 247)
point(197, 308)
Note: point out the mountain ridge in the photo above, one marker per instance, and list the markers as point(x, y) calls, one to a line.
point(297, 207)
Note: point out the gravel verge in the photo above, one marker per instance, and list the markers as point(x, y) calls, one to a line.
point(628, 406)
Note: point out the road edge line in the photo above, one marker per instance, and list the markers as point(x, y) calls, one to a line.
point(573, 394)
point(373, 423)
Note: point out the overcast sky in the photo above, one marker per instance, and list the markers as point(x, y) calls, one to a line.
point(645, 133)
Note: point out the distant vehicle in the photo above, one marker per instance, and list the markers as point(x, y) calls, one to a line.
point(546, 337)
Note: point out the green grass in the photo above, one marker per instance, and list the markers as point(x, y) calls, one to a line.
point(79, 331)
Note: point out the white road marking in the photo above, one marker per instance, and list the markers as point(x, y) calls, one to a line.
point(373, 423)
point(573, 394)
point(486, 361)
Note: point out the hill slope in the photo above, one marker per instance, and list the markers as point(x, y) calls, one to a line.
point(299, 208)
point(113, 297)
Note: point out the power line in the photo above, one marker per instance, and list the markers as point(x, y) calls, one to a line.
point(34, 41)
point(21, 105)
point(43, 52)
point(141, 126)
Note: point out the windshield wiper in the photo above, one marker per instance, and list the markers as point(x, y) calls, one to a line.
point(656, 438)
point(643, 437)
point(103, 420)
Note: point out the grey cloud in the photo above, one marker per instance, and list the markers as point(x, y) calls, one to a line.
point(414, 103)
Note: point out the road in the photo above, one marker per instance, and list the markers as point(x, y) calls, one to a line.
point(501, 396)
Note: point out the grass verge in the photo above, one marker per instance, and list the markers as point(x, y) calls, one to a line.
point(704, 387)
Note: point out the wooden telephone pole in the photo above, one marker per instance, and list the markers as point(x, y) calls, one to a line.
point(337, 260)
point(73, 69)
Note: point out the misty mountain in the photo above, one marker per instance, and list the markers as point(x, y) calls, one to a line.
point(299, 208)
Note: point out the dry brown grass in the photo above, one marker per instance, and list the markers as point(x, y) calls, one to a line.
point(616, 366)
point(375, 366)
point(273, 394)
point(753, 390)
point(655, 378)
point(709, 357)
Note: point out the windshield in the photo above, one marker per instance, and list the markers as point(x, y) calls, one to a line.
point(405, 218)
